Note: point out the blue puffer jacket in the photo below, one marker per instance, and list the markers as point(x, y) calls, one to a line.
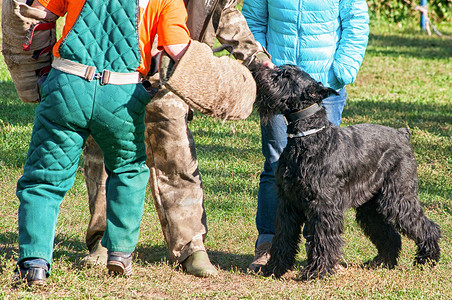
point(325, 38)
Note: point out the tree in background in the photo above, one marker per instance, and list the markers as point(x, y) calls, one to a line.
point(399, 10)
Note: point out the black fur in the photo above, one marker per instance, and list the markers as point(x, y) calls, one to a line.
point(368, 167)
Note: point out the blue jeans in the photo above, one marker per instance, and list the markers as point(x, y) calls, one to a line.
point(274, 140)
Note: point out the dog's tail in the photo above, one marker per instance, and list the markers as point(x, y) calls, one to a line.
point(404, 132)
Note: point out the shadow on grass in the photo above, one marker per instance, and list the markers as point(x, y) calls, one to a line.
point(71, 248)
point(224, 261)
point(230, 262)
point(8, 245)
point(153, 254)
point(74, 249)
point(421, 46)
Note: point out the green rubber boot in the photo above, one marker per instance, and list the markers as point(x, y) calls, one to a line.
point(198, 264)
point(97, 257)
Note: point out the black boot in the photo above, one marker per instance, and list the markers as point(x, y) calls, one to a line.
point(119, 263)
point(32, 271)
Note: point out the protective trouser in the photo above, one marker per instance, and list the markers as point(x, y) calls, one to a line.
point(175, 178)
point(95, 179)
point(115, 120)
point(72, 108)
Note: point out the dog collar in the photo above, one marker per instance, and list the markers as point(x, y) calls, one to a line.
point(303, 114)
point(304, 133)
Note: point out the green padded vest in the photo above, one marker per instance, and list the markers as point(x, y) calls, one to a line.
point(105, 36)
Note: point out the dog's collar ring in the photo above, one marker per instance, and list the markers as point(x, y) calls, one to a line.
point(304, 133)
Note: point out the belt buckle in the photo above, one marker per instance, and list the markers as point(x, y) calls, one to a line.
point(90, 73)
point(104, 77)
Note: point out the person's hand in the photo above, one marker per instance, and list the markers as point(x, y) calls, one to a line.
point(269, 64)
point(261, 59)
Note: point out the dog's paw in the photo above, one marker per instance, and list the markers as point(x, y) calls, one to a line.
point(269, 270)
point(311, 273)
point(266, 271)
point(421, 261)
point(306, 275)
point(379, 261)
point(428, 256)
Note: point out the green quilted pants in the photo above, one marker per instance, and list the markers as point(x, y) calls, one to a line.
point(71, 110)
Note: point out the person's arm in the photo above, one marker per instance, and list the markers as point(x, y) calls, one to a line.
point(52, 7)
point(233, 31)
point(176, 51)
point(352, 46)
point(38, 5)
point(50, 16)
point(172, 32)
point(256, 15)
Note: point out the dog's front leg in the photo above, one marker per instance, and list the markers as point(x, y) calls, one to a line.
point(286, 240)
point(324, 226)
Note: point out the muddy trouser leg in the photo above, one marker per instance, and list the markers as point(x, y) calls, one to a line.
point(95, 179)
point(175, 178)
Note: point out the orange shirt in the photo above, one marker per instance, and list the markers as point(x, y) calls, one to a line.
point(166, 18)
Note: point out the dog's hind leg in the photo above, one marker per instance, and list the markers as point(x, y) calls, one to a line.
point(381, 233)
point(401, 205)
point(424, 232)
point(286, 240)
point(427, 238)
point(325, 227)
point(427, 242)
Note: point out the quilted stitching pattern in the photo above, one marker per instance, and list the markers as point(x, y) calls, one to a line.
point(71, 109)
point(118, 125)
point(55, 114)
point(99, 18)
point(115, 119)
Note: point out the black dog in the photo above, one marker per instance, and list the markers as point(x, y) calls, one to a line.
point(325, 170)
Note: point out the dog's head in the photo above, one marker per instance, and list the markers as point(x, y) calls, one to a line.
point(287, 89)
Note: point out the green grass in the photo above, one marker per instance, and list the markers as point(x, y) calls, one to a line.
point(405, 81)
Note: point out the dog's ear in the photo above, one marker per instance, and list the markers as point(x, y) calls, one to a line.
point(328, 92)
point(318, 92)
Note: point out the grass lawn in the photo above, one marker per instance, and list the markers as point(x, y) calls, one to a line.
point(405, 81)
